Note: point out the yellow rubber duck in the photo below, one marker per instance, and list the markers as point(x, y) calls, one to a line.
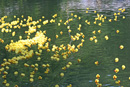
point(94, 32)
point(70, 85)
point(69, 30)
point(31, 76)
point(75, 16)
point(47, 65)
point(116, 70)
point(115, 14)
point(116, 59)
point(14, 16)
point(79, 60)
point(7, 84)
point(31, 80)
point(40, 77)
point(60, 20)
point(94, 37)
point(20, 37)
point(87, 8)
point(15, 73)
point(110, 20)
point(96, 81)
point(123, 67)
point(95, 40)
point(56, 36)
point(121, 47)
point(97, 76)
point(62, 74)
point(57, 85)
point(43, 65)
point(67, 65)
point(86, 11)
point(22, 74)
point(13, 33)
point(79, 18)
point(99, 85)
point(58, 24)
point(39, 58)
point(99, 31)
point(96, 62)
point(106, 37)
point(61, 32)
point(94, 22)
point(118, 13)
point(99, 24)
point(118, 82)
point(102, 19)
point(117, 31)
point(123, 17)
point(70, 63)
point(114, 77)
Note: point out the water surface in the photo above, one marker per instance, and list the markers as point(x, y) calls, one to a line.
point(81, 74)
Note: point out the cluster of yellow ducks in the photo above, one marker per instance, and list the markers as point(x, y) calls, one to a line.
point(22, 46)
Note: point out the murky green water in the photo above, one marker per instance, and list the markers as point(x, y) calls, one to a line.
point(81, 74)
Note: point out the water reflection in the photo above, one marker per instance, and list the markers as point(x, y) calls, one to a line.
point(106, 85)
point(109, 75)
point(96, 4)
point(90, 81)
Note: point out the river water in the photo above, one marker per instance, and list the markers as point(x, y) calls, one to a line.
point(81, 74)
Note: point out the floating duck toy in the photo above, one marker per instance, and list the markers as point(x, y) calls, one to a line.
point(97, 81)
point(118, 82)
point(61, 32)
point(116, 59)
point(117, 31)
point(79, 60)
point(31, 79)
point(114, 77)
point(123, 67)
point(97, 76)
point(106, 37)
point(70, 85)
point(62, 74)
point(123, 17)
point(96, 62)
point(40, 77)
point(121, 47)
point(116, 70)
point(7, 84)
point(95, 40)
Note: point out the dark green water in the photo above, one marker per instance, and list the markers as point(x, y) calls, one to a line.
point(81, 74)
